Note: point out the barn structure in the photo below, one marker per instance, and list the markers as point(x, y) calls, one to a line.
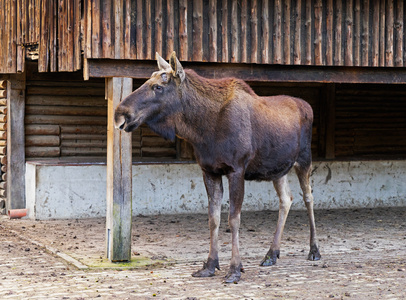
point(61, 60)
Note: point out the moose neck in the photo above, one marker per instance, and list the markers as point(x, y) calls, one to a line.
point(201, 100)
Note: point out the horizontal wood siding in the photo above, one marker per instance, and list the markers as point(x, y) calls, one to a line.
point(3, 144)
point(294, 32)
point(66, 116)
point(370, 121)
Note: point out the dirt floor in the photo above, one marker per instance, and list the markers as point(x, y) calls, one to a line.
point(363, 257)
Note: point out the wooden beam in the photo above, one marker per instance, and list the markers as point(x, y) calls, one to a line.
point(15, 142)
point(119, 187)
point(252, 72)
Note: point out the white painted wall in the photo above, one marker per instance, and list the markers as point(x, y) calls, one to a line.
point(78, 191)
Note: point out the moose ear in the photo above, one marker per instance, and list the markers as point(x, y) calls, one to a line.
point(177, 69)
point(162, 64)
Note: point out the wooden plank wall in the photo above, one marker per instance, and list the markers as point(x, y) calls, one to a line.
point(55, 27)
point(292, 32)
point(3, 145)
point(370, 121)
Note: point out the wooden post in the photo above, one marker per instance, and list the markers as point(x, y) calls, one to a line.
point(119, 187)
point(16, 142)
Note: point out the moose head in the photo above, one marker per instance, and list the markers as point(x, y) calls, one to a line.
point(156, 102)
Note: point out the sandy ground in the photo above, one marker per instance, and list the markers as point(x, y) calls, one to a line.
point(363, 255)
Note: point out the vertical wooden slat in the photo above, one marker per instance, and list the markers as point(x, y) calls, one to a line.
point(357, 33)
point(349, 25)
point(382, 33)
point(183, 27)
point(118, 29)
point(148, 34)
point(365, 34)
point(127, 29)
point(77, 30)
point(37, 20)
point(71, 46)
point(213, 30)
point(254, 32)
point(106, 27)
point(139, 34)
point(95, 23)
point(53, 53)
point(170, 29)
point(44, 40)
point(286, 32)
point(389, 34)
point(338, 59)
point(265, 14)
point(318, 38)
point(235, 37)
point(197, 30)
point(399, 34)
point(88, 29)
point(158, 26)
point(329, 32)
point(277, 30)
point(2, 35)
point(308, 26)
point(375, 33)
point(224, 30)
point(297, 46)
point(19, 40)
point(119, 183)
point(60, 35)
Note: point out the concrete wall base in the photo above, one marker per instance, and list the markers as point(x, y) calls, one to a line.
point(79, 191)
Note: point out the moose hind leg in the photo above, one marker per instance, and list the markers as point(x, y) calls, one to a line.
point(304, 178)
point(214, 188)
point(285, 200)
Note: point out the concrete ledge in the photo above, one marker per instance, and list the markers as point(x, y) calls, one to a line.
point(78, 191)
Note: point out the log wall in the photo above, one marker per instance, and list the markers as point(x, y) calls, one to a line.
point(370, 121)
point(293, 32)
point(3, 145)
point(66, 116)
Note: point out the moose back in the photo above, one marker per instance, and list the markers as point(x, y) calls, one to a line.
point(234, 133)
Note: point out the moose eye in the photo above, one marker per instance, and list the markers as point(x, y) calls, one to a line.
point(157, 88)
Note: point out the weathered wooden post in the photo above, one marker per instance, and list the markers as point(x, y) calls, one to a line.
point(15, 142)
point(119, 187)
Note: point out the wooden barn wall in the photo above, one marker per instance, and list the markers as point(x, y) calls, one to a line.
point(370, 121)
point(301, 32)
point(50, 29)
point(66, 116)
point(3, 144)
point(291, 32)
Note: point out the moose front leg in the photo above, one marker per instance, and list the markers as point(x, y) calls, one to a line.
point(236, 186)
point(214, 188)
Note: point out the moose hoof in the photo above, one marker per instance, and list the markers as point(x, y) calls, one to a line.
point(208, 269)
point(270, 258)
point(314, 253)
point(234, 274)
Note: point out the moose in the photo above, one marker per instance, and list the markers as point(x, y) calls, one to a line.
point(234, 133)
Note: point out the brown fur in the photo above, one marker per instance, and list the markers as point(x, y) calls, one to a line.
point(234, 133)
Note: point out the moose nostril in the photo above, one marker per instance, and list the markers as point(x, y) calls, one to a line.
point(122, 126)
